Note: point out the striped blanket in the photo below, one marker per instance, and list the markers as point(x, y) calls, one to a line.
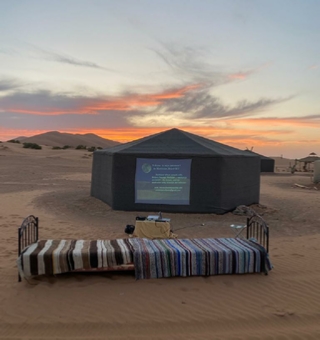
point(48, 257)
point(188, 257)
point(151, 258)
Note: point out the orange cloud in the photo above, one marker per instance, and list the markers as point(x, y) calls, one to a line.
point(140, 100)
point(239, 75)
point(244, 75)
point(43, 112)
point(122, 103)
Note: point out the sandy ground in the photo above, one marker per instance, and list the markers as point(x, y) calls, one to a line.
point(55, 185)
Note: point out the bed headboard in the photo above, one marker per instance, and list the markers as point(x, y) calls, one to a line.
point(28, 233)
point(258, 228)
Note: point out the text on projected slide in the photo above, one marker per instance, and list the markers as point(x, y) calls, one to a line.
point(162, 181)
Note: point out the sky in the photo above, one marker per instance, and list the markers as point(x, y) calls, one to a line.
point(245, 73)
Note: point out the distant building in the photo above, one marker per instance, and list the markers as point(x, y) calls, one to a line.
point(312, 157)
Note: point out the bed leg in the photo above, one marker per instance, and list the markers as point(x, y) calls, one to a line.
point(19, 250)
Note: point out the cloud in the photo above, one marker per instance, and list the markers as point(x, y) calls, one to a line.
point(54, 56)
point(133, 111)
point(309, 121)
point(188, 62)
point(186, 102)
point(40, 103)
point(9, 84)
point(105, 120)
point(246, 108)
point(66, 59)
point(45, 102)
point(199, 103)
point(241, 75)
point(73, 61)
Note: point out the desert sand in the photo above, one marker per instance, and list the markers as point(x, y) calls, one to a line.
point(55, 186)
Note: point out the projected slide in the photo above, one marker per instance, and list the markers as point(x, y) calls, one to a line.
point(162, 181)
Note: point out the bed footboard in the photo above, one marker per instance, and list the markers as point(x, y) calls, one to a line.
point(28, 233)
point(258, 228)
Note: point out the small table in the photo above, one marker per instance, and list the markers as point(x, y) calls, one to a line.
point(152, 229)
point(238, 229)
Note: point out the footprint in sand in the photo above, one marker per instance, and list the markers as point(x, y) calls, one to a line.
point(299, 255)
point(280, 312)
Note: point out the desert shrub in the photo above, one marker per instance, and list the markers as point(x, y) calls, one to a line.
point(56, 148)
point(81, 147)
point(14, 141)
point(66, 147)
point(94, 148)
point(32, 146)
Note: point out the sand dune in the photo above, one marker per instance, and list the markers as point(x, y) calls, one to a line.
point(55, 138)
point(54, 185)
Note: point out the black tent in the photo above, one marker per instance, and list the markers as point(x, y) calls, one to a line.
point(175, 171)
point(266, 163)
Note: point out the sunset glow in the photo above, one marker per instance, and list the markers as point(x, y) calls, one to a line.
point(241, 78)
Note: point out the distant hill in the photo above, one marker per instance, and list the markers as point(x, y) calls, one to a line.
point(20, 138)
point(55, 138)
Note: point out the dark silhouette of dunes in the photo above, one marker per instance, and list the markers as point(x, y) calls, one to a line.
point(55, 138)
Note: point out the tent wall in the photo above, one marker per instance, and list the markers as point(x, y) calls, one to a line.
point(218, 184)
point(204, 188)
point(240, 180)
point(101, 180)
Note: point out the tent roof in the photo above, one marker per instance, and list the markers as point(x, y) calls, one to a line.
point(309, 159)
point(175, 141)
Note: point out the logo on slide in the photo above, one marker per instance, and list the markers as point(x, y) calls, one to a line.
point(146, 168)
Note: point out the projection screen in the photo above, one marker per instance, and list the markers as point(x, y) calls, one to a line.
point(162, 181)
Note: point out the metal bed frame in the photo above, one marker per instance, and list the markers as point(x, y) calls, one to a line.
point(258, 229)
point(28, 232)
